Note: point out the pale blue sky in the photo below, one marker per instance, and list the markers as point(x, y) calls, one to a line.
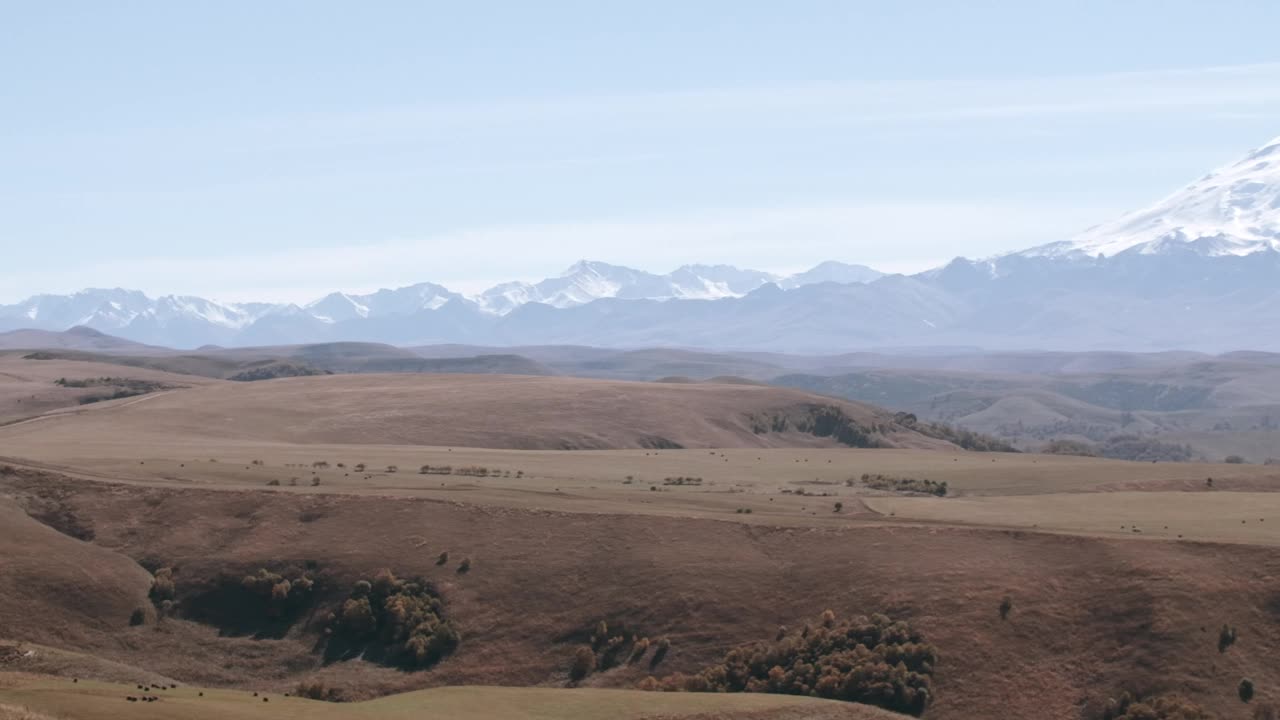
point(277, 150)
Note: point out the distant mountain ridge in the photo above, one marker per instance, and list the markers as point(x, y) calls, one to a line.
point(1199, 270)
point(186, 321)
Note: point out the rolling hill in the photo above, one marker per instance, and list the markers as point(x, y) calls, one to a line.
point(500, 411)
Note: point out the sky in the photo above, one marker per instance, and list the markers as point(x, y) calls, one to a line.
point(281, 150)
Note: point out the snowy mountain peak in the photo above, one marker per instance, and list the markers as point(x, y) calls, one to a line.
point(1232, 211)
point(832, 271)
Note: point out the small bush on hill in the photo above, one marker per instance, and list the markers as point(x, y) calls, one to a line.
point(584, 663)
point(1226, 637)
point(162, 586)
point(1245, 690)
point(402, 619)
point(137, 617)
point(874, 661)
point(319, 690)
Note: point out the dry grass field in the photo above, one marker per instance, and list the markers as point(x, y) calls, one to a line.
point(54, 698)
point(28, 387)
point(220, 479)
point(500, 411)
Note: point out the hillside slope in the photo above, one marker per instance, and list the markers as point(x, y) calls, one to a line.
point(497, 411)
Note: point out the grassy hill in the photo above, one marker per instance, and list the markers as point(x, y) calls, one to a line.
point(502, 411)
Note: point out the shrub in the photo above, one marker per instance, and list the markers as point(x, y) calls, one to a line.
point(162, 586)
point(874, 660)
point(137, 617)
point(660, 652)
point(1226, 637)
point(359, 467)
point(638, 649)
point(1233, 460)
point(442, 558)
point(1006, 606)
point(393, 468)
point(315, 481)
point(320, 464)
point(839, 506)
point(584, 663)
point(273, 482)
point(465, 565)
point(1245, 690)
point(319, 690)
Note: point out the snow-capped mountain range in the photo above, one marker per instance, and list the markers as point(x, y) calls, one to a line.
point(1197, 270)
point(1232, 211)
point(187, 321)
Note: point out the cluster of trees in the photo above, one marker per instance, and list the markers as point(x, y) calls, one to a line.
point(467, 471)
point(829, 421)
point(280, 594)
point(967, 439)
point(682, 481)
point(901, 484)
point(405, 618)
point(611, 647)
point(820, 421)
point(277, 370)
point(1123, 447)
point(875, 661)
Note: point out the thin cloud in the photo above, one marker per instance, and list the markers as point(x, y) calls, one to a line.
point(469, 260)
